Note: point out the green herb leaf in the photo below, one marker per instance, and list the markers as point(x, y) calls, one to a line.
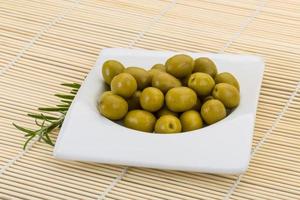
point(26, 130)
point(28, 134)
point(66, 101)
point(65, 96)
point(49, 140)
point(41, 116)
point(54, 109)
point(27, 141)
point(72, 85)
point(47, 123)
point(74, 92)
point(63, 105)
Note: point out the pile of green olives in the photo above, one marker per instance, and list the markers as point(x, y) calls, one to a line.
point(184, 94)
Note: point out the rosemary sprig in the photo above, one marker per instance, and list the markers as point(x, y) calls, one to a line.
point(47, 123)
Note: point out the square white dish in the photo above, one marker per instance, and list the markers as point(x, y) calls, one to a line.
point(220, 148)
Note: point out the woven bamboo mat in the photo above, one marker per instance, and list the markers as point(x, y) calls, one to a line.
point(47, 42)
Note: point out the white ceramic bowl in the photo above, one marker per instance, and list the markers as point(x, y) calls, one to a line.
point(220, 148)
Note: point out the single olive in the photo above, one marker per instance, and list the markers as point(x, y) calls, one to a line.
point(123, 84)
point(103, 94)
point(165, 111)
point(227, 94)
point(202, 83)
point(165, 81)
point(212, 111)
point(153, 72)
point(197, 105)
point(180, 65)
point(151, 99)
point(181, 99)
point(168, 124)
point(205, 65)
point(140, 120)
point(141, 76)
point(226, 77)
point(112, 106)
point(191, 120)
point(134, 101)
point(160, 67)
point(110, 69)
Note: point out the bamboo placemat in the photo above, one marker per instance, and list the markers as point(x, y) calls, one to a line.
point(47, 42)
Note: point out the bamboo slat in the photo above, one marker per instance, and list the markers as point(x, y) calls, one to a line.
point(45, 43)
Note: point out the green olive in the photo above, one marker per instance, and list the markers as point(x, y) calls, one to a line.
point(227, 94)
point(168, 124)
point(181, 99)
point(159, 67)
point(205, 65)
point(165, 81)
point(226, 77)
point(165, 111)
point(141, 76)
point(212, 111)
point(202, 83)
point(197, 105)
point(124, 85)
point(180, 65)
point(112, 106)
point(191, 120)
point(151, 99)
point(140, 120)
point(154, 72)
point(110, 69)
point(103, 94)
point(134, 101)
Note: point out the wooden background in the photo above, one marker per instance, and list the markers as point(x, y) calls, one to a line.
point(46, 42)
